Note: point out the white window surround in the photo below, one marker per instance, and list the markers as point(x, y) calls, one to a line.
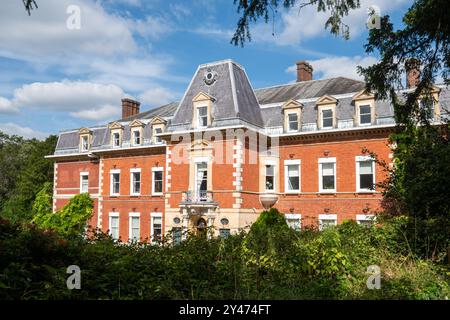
point(111, 188)
point(286, 177)
point(288, 114)
point(362, 159)
point(272, 163)
point(116, 141)
point(364, 217)
point(327, 217)
point(132, 215)
point(157, 169)
point(294, 216)
point(322, 161)
point(332, 117)
point(84, 174)
point(114, 215)
point(200, 116)
point(135, 170)
point(133, 136)
point(84, 143)
point(152, 216)
point(201, 159)
point(359, 115)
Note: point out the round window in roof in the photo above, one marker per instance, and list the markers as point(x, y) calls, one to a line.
point(210, 77)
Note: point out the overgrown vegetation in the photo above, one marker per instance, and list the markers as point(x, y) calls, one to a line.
point(271, 261)
point(23, 173)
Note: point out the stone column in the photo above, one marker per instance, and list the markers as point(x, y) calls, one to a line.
point(185, 223)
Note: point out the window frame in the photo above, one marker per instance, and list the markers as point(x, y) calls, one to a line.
point(360, 114)
point(327, 161)
point(326, 217)
point(133, 137)
point(272, 164)
point(365, 217)
point(111, 182)
point(289, 122)
point(82, 138)
point(199, 125)
point(84, 174)
point(131, 216)
point(154, 215)
point(358, 160)
point(288, 163)
point(132, 182)
point(113, 134)
point(154, 170)
point(294, 216)
point(111, 216)
point(322, 118)
point(157, 140)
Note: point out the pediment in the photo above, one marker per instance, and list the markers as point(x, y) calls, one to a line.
point(200, 144)
point(115, 125)
point(363, 95)
point(85, 131)
point(158, 120)
point(291, 104)
point(136, 123)
point(201, 96)
point(326, 100)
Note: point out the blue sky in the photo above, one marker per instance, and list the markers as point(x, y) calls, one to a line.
point(53, 78)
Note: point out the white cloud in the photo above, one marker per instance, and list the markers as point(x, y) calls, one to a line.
point(44, 35)
point(15, 129)
point(337, 66)
point(83, 100)
point(151, 27)
point(157, 96)
point(294, 26)
point(6, 106)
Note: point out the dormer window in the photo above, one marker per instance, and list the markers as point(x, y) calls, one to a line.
point(136, 132)
point(327, 119)
point(84, 143)
point(326, 109)
point(85, 139)
point(158, 127)
point(292, 112)
point(202, 117)
point(116, 139)
point(116, 134)
point(293, 121)
point(365, 114)
point(158, 140)
point(364, 109)
point(202, 106)
point(136, 137)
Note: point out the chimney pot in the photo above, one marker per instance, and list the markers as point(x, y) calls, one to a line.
point(130, 107)
point(304, 71)
point(412, 67)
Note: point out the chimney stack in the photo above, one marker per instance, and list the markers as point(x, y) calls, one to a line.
point(304, 71)
point(412, 67)
point(130, 107)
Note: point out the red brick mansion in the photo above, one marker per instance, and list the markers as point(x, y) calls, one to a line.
point(225, 152)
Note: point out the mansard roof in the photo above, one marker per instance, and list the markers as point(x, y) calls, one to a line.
point(233, 94)
point(236, 103)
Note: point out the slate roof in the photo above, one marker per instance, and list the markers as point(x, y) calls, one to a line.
point(236, 102)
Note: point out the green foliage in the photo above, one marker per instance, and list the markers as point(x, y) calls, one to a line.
point(266, 10)
point(291, 265)
point(23, 172)
point(71, 220)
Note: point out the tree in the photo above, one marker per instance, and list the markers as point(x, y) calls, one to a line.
point(252, 10)
point(71, 220)
point(23, 172)
point(30, 5)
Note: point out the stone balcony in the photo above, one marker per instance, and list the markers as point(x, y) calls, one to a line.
point(198, 199)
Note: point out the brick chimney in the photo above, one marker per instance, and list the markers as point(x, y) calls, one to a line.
point(412, 67)
point(130, 107)
point(304, 71)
